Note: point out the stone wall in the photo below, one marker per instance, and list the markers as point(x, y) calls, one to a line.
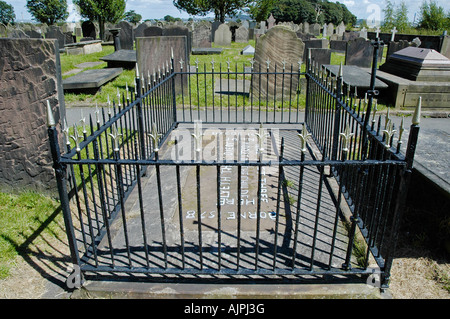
point(30, 74)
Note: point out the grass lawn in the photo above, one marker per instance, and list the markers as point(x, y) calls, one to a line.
point(21, 215)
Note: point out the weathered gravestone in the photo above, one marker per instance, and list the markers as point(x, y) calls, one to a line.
point(352, 35)
point(88, 29)
point(270, 22)
point(320, 56)
point(315, 29)
point(222, 36)
point(126, 35)
point(214, 26)
point(152, 31)
point(138, 32)
point(176, 30)
point(338, 45)
point(17, 34)
point(278, 45)
point(306, 27)
point(241, 35)
point(330, 29)
point(30, 75)
point(201, 36)
point(315, 44)
point(54, 32)
point(154, 53)
point(3, 32)
point(33, 34)
point(445, 47)
point(340, 29)
point(359, 52)
point(397, 46)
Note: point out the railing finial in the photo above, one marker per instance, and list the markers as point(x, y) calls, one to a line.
point(50, 118)
point(417, 111)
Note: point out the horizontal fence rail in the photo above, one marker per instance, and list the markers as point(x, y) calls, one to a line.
point(146, 189)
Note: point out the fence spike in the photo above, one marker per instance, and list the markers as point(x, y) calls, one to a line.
point(155, 137)
point(50, 118)
point(299, 65)
point(346, 135)
point(115, 136)
point(303, 138)
point(389, 132)
point(387, 119)
point(83, 121)
point(417, 111)
point(76, 137)
point(261, 135)
point(137, 71)
point(65, 131)
point(97, 113)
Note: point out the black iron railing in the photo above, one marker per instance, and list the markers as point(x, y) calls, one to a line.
point(161, 185)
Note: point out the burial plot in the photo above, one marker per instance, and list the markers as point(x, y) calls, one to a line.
point(154, 53)
point(30, 76)
point(417, 72)
point(277, 45)
point(222, 36)
point(359, 52)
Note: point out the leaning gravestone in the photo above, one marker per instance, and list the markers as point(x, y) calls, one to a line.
point(278, 45)
point(359, 52)
point(222, 36)
point(31, 75)
point(88, 29)
point(126, 35)
point(155, 53)
point(241, 35)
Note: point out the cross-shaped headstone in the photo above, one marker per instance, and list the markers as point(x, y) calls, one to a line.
point(378, 30)
point(394, 31)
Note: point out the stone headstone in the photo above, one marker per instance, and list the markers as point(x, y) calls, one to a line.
point(155, 52)
point(54, 32)
point(359, 52)
point(445, 48)
point(337, 45)
point(177, 30)
point(335, 37)
point(201, 36)
point(321, 56)
point(88, 29)
point(68, 37)
point(241, 35)
point(31, 75)
point(214, 26)
point(18, 34)
point(152, 31)
point(315, 29)
point(33, 34)
point(78, 32)
point(396, 46)
point(126, 35)
point(138, 32)
point(340, 29)
point(363, 33)
point(306, 28)
point(315, 44)
point(352, 35)
point(416, 42)
point(270, 22)
point(3, 33)
point(330, 29)
point(222, 35)
point(277, 45)
point(324, 31)
point(304, 36)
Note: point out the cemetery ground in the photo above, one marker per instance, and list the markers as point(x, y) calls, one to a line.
point(34, 255)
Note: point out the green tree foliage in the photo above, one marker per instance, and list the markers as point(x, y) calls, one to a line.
point(433, 17)
point(401, 17)
point(389, 16)
point(132, 17)
point(6, 13)
point(48, 11)
point(221, 8)
point(312, 11)
point(260, 10)
point(101, 11)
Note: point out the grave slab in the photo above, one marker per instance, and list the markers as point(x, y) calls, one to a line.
point(206, 51)
point(85, 47)
point(122, 58)
point(355, 76)
point(90, 80)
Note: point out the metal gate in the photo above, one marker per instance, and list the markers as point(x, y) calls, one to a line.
point(186, 178)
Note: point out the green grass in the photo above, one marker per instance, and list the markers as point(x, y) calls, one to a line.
point(20, 216)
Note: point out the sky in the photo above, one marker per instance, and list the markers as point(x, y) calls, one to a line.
point(157, 9)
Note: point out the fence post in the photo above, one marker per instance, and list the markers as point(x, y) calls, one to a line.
point(60, 174)
point(140, 115)
point(402, 194)
point(174, 97)
point(337, 114)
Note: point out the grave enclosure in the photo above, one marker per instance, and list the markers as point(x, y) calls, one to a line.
point(244, 188)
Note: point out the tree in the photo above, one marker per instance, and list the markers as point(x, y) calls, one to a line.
point(221, 8)
point(260, 10)
point(6, 13)
point(389, 16)
point(132, 17)
point(401, 17)
point(48, 11)
point(101, 11)
point(433, 17)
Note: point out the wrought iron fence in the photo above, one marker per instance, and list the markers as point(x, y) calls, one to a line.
point(150, 191)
